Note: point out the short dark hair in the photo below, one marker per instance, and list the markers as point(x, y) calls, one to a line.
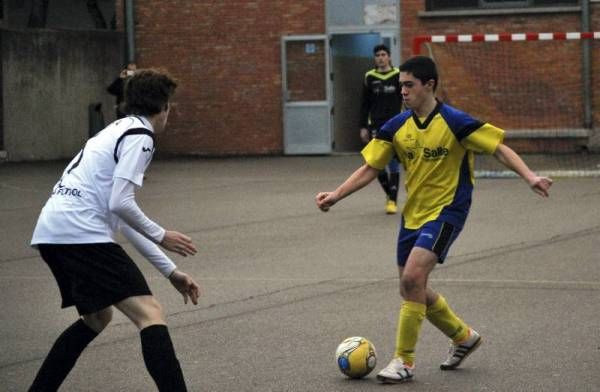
point(148, 91)
point(422, 68)
point(381, 47)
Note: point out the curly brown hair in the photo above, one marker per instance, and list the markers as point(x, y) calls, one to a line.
point(148, 92)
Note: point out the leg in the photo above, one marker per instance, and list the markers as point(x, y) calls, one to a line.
point(384, 182)
point(157, 348)
point(465, 340)
point(413, 281)
point(413, 288)
point(394, 179)
point(67, 349)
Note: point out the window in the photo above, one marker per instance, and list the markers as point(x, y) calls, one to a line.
point(437, 5)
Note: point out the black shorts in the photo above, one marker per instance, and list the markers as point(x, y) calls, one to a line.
point(93, 276)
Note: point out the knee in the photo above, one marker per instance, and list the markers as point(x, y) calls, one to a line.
point(152, 313)
point(154, 307)
point(98, 320)
point(410, 285)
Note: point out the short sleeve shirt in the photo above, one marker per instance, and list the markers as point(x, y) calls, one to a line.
point(437, 155)
point(77, 210)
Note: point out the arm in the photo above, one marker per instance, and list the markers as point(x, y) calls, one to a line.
point(149, 250)
point(122, 203)
point(180, 280)
point(513, 161)
point(365, 107)
point(357, 180)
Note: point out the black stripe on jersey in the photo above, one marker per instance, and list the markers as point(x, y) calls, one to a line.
point(134, 131)
point(468, 129)
point(441, 243)
point(77, 162)
point(425, 124)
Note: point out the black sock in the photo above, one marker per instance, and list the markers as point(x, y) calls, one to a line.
point(393, 186)
point(382, 177)
point(160, 359)
point(62, 357)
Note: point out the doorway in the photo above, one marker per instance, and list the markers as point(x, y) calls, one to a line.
point(351, 58)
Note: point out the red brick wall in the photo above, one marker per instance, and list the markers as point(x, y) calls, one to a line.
point(487, 89)
point(226, 56)
point(595, 26)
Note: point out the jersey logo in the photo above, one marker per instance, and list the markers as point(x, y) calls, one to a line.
point(135, 131)
point(62, 190)
point(434, 155)
point(147, 149)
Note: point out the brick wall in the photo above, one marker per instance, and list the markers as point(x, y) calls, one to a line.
point(595, 25)
point(493, 89)
point(226, 56)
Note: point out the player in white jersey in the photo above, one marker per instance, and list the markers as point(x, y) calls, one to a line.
point(75, 234)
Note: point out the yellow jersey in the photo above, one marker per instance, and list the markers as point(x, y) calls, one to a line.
point(437, 155)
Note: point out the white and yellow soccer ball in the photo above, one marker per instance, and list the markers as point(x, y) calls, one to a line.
point(356, 357)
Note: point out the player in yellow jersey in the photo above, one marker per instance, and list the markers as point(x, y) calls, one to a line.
point(435, 144)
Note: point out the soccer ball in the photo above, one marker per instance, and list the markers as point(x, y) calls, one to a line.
point(356, 357)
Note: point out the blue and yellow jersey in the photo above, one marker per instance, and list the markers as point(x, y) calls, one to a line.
point(437, 155)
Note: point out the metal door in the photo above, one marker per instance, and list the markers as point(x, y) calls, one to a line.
point(306, 92)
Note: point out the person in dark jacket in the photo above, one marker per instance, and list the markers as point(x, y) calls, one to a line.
point(381, 100)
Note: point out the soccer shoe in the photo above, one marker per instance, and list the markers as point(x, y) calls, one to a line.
point(391, 207)
point(458, 352)
point(396, 372)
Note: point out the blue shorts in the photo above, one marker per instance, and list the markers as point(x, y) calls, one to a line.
point(435, 236)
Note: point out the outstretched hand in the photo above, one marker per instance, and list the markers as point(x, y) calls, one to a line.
point(178, 243)
point(541, 185)
point(325, 200)
point(186, 286)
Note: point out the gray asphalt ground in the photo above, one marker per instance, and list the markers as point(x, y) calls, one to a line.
point(284, 283)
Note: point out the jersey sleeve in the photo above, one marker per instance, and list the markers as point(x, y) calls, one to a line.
point(378, 153)
point(134, 156)
point(485, 139)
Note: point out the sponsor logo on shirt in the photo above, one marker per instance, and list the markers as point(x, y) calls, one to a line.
point(435, 154)
point(62, 190)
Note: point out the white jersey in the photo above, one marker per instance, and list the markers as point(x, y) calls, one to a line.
point(77, 211)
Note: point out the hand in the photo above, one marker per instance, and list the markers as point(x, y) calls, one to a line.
point(186, 286)
point(178, 243)
point(365, 135)
point(325, 200)
point(541, 185)
point(123, 74)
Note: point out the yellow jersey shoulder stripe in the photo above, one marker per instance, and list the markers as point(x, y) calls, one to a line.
point(382, 76)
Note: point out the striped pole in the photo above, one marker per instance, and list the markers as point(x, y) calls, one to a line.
point(450, 38)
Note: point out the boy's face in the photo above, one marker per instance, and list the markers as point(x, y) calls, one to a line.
point(382, 59)
point(414, 93)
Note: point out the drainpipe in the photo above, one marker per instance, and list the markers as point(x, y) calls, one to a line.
point(130, 31)
point(586, 59)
